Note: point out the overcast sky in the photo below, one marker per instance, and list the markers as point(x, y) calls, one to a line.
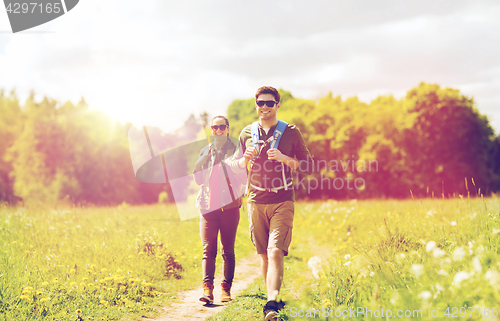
point(154, 62)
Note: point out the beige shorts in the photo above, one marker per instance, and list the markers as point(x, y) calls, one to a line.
point(271, 225)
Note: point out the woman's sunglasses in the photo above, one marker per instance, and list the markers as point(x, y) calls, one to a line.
point(269, 103)
point(222, 127)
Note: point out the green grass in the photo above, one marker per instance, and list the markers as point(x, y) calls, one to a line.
point(394, 255)
point(413, 255)
point(115, 263)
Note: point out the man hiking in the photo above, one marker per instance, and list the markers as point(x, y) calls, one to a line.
point(274, 149)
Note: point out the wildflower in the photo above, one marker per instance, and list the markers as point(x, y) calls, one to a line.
point(24, 297)
point(425, 295)
point(103, 270)
point(372, 273)
point(28, 288)
point(43, 300)
point(417, 269)
point(38, 292)
point(437, 252)
point(326, 302)
point(72, 271)
point(83, 285)
point(460, 277)
point(476, 263)
point(78, 311)
point(453, 223)
point(431, 245)
point(347, 263)
point(347, 256)
point(442, 272)
point(458, 254)
point(314, 264)
point(493, 277)
point(402, 255)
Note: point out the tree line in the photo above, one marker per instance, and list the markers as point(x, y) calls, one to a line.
point(431, 142)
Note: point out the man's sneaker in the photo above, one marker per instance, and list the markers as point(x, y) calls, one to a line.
point(271, 310)
point(226, 292)
point(208, 293)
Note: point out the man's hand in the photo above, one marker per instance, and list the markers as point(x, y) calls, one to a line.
point(250, 152)
point(276, 154)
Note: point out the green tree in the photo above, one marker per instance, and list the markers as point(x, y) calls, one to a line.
point(11, 124)
point(449, 141)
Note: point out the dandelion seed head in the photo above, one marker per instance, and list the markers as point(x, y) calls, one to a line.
point(460, 277)
point(458, 254)
point(418, 270)
point(425, 295)
point(431, 245)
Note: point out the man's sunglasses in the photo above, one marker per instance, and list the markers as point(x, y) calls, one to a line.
point(269, 103)
point(222, 127)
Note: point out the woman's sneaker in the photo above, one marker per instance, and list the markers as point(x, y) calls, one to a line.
point(271, 310)
point(208, 293)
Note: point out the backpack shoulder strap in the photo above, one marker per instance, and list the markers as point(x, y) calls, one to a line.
point(255, 135)
point(278, 132)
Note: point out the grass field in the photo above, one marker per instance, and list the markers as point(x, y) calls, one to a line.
point(123, 263)
point(98, 263)
point(420, 259)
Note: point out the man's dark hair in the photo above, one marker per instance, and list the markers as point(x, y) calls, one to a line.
point(268, 90)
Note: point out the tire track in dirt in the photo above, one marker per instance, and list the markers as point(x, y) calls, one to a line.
point(190, 308)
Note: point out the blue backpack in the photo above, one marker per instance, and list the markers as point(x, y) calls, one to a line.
point(273, 140)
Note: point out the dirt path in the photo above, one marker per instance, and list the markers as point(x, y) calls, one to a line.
point(190, 308)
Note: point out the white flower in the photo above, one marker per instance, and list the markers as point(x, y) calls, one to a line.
point(431, 245)
point(417, 269)
point(437, 252)
point(402, 255)
point(476, 263)
point(372, 273)
point(458, 254)
point(453, 223)
point(493, 277)
point(460, 277)
point(347, 256)
point(425, 295)
point(347, 263)
point(442, 272)
point(314, 263)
